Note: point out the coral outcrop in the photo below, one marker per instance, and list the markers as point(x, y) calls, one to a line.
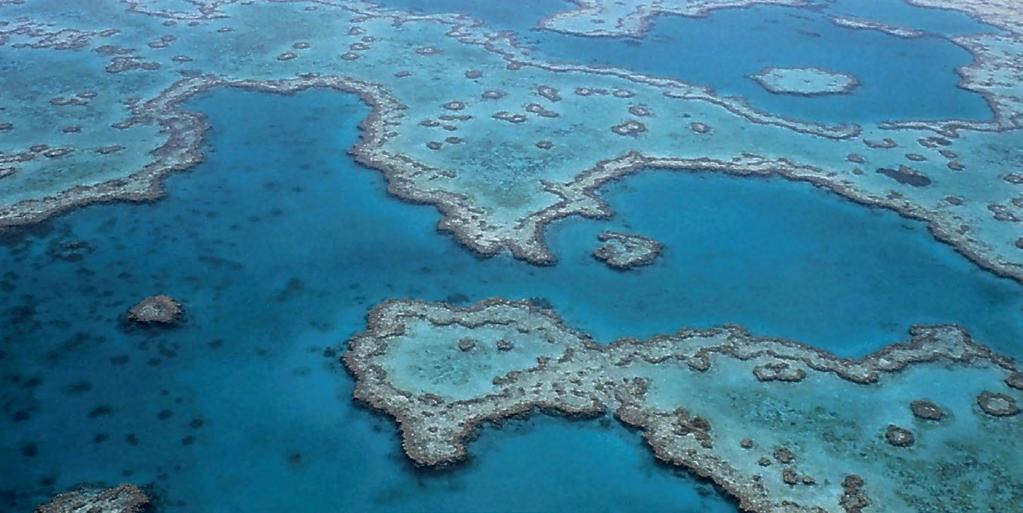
point(625, 251)
point(125, 498)
point(156, 310)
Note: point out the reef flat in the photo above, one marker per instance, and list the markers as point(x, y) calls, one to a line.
point(467, 121)
point(805, 81)
point(781, 426)
point(611, 18)
point(1000, 13)
point(887, 28)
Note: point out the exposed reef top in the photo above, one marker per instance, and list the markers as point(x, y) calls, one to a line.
point(626, 251)
point(780, 426)
point(159, 309)
point(125, 498)
point(805, 81)
point(860, 23)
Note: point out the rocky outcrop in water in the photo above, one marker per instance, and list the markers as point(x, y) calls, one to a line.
point(156, 310)
point(125, 498)
point(626, 251)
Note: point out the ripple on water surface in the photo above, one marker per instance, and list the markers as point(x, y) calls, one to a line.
point(278, 244)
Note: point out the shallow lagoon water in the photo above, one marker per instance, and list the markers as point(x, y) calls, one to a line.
point(278, 244)
point(724, 48)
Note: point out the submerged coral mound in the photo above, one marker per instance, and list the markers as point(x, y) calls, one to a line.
point(125, 498)
point(159, 309)
point(626, 251)
point(781, 426)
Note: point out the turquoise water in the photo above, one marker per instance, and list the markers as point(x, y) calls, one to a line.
point(723, 49)
point(278, 244)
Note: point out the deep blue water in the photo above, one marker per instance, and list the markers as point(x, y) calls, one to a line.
point(723, 49)
point(278, 244)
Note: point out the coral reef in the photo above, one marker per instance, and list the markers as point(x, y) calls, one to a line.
point(626, 251)
point(159, 309)
point(125, 498)
point(494, 195)
point(780, 426)
point(860, 23)
point(805, 81)
point(609, 18)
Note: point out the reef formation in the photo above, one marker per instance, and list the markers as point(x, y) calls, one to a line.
point(805, 81)
point(610, 18)
point(887, 28)
point(450, 117)
point(157, 310)
point(780, 426)
point(625, 251)
point(125, 498)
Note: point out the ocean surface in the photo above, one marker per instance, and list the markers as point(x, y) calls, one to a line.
point(279, 243)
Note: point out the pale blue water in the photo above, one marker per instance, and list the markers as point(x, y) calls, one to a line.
point(278, 244)
point(724, 48)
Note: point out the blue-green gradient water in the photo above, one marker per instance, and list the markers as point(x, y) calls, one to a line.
point(278, 244)
point(722, 49)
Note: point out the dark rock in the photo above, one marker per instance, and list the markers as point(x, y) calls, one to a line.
point(159, 309)
point(898, 437)
point(466, 344)
point(997, 404)
point(926, 410)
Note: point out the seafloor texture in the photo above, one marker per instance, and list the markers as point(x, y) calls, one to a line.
point(781, 426)
point(451, 116)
